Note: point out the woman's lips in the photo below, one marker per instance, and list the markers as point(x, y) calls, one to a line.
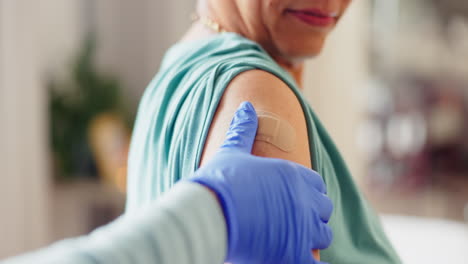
point(314, 17)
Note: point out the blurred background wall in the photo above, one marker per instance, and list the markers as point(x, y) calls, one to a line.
point(40, 44)
point(25, 178)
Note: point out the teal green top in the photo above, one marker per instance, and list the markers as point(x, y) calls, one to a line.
point(175, 115)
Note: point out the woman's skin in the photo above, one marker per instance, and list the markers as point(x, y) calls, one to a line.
point(275, 25)
point(271, 23)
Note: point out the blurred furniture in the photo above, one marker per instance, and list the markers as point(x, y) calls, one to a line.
point(80, 206)
point(417, 118)
point(447, 199)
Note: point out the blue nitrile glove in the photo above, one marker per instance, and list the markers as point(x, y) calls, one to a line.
point(276, 211)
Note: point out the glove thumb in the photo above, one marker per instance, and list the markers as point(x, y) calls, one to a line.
point(242, 131)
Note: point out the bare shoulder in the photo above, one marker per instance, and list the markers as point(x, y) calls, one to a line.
point(267, 93)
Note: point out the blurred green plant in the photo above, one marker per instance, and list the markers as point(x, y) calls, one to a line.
point(72, 106)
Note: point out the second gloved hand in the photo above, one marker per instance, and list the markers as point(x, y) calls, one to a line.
point(276, 211)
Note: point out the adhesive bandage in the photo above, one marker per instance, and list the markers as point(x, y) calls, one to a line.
point(276, 131)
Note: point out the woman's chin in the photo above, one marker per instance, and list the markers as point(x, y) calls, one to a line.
point(300, 50)
point(299, 56)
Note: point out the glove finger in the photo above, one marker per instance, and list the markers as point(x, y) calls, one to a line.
point(324, 237)
point(312, 178)
point(242, 131)
point(322, 204)
point(307, 257)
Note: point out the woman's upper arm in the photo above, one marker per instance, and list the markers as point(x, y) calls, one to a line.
point(267, 93)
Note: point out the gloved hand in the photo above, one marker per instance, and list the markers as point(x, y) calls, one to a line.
point(276, 211)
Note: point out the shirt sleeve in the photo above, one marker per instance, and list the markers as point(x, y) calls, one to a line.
point(186, 225)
